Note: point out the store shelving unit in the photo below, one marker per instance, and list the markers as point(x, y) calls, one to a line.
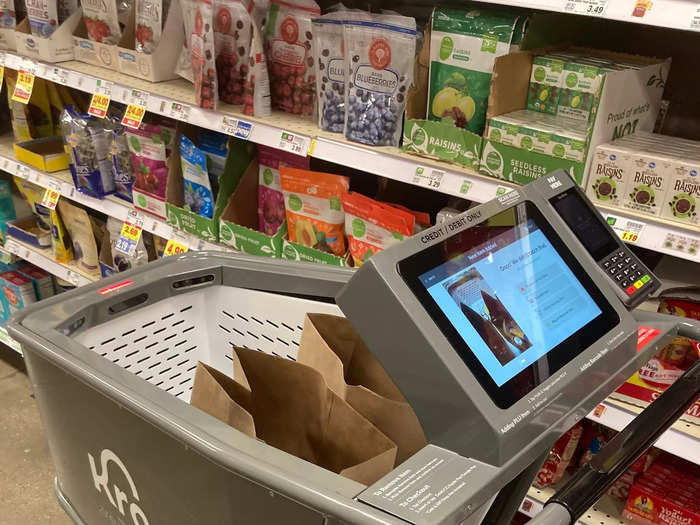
point(605, 512)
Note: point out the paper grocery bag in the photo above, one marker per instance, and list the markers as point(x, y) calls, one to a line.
point(289, 406)
point(330, 345)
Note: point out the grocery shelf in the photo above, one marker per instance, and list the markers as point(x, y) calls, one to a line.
point(672, 14)
point(606, 511)
point(111, 206)
point(7, 340)
point(43, 258)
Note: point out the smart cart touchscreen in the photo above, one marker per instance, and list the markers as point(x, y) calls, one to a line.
point(511, 299)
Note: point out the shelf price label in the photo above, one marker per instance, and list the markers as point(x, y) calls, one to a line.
point(428, 178)
point(104, 87)
point(57, 74)
point(586, 7)
point(51, 196)
point(628, 230)
point(179, 111)
point(137, 97)
point(23, 172)
point(294, 143)
point(237, 128)
point(73, 277)
point(130, 234)
point(174, 247)
point(695, 20)
point(23, 87)
point(629, 237)
point(99, 105)
point(133, 116)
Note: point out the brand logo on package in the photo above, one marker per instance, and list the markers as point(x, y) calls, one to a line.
point(509, 197)
point(124, 502)
point(127, 56)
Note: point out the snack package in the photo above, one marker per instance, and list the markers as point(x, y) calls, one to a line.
point(79, 226)
point(464, 44)
point(122, 261)
point(289, 37)
point(256, 94)
point(89, 141)
point(260, 10)
point(43, 17)
point(271, 211)
point(32, 195)
point(315, 216)
point(56, 107)
point(593, 440)
point(330, 71)
point(183, 67)
point(215, 147)
point(380, 57)
point(198, 195)
point(61, 243)
point(148, 157)
point(19, 113)
point(8, 17)
point(39, 110)
point(203, 55)
point(559, 457)
point(66, 8)
point(122, 168)
point(372, 226)
point(40, 278)
point(233, 26)
point(150, 18)
point(102, 21)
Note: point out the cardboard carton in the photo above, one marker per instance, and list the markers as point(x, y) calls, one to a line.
point(91, 52)
point(56, 48)
point(45, 154)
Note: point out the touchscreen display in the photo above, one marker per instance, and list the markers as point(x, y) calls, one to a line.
point(511, 298)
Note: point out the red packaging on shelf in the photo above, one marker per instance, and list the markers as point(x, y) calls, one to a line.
point(647, 507)
point(559, 458)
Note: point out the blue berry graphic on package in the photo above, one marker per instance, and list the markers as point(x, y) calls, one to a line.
point(198, 195)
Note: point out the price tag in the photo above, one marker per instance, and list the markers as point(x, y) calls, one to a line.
point(628, 230)
point(23, 172)
point(173, 247)
point(104, 87)
point(237, 128)
point(98, 105)
point(695, 20)
point(130, 234)
point(138, 98)
point(57, 74)
point(133, 116)
point(23, 87)
point(5, 164)
point(294, 143)
point(11, 246)
point(2, 75)
point(29, 66)
point(428, 178)
point(179, 111)
point(586, 7)
point(228, 125)
point(50, 198)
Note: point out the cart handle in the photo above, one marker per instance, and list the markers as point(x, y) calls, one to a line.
point(591, 481)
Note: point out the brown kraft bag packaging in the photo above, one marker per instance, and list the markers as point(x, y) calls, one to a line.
point(289, 406)
point(330, 345)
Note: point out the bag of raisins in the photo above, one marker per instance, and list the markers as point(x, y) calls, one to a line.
point(233, 26)
point(289, 37)
point(256, 94)
point(379, 55)
point(203, 57)
point(102, 21)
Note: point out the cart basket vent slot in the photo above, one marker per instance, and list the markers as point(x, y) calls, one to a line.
point(194, 281)
point(121, 306)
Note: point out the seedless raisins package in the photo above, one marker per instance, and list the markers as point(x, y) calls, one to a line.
point(233, 26)
point(379, 55)
point(102, 21)
point(289, 37)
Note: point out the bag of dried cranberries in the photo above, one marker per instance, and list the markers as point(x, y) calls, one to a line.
point(290, 55)
point(233, 25)
point(256, 93)
point(203, 59)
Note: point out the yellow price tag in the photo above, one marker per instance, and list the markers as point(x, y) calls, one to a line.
point(23, 87)
point(174, 248)
point(133, 116)
point(50, 198)
point(98, 105)
point(131, 231)
point(629, 237)
point(2, 75)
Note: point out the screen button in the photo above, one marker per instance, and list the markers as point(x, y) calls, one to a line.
point(645, 279)
point(631, 290)
point(638, 284)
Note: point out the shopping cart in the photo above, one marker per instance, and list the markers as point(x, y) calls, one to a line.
point(112, 365)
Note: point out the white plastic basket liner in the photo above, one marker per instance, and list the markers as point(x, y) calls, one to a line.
point(162, 342)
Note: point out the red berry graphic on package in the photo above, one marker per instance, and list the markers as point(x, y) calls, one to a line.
point(223, 21)
point(379, 53)
point(289, 30)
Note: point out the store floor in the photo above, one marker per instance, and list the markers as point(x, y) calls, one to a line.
point(26, 471)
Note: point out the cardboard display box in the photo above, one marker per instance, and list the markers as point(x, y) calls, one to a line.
point(56, 48)
point(91, 52)
point(294, 251)
point(46, 154)
point(7, 39)
point(26, 230)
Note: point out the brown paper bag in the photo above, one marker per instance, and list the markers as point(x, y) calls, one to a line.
point(330, 345)
point(289, 406)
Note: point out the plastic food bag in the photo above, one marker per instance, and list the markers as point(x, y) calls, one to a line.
point(271, 211)
point(148, 156)
point(183, 67)
point(43, 17)
point(122, 261)
point(289, 37)
point(33, 194)
point(89, 142)
point(256, 94)
point(79, 226)
point(150, 18)
point(372, 226)
point(61, 243)
point(315, 216)
point(203, 56)
point(66, 8)
point(19, 112)
point(198, 195)
point(102, 21)
point(233, 26)
point(122, 167)
point(559, 457)
point(215, 147)
point(8, 17)
point(379, 57)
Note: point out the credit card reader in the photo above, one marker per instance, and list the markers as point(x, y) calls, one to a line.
point(628, 276)
point(500, 330)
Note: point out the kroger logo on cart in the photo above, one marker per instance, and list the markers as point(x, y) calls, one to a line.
point(117, 497)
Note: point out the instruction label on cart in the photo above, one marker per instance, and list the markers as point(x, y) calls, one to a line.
point(433, 485)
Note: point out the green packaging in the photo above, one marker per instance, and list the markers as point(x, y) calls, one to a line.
point(442, 141)
point(463, 47)
point(545, 84)
point(581, 85)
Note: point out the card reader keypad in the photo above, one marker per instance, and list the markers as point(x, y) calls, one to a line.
point(627, 272)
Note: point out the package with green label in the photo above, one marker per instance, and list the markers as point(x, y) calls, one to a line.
point(581, 84)
point(463, 47)
point(545, 84)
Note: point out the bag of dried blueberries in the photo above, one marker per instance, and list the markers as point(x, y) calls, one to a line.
point(203, 58)
point(233, 26)
point(289, 37)
point(379, 55)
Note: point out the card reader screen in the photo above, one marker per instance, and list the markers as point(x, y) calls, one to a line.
point(512, 299)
